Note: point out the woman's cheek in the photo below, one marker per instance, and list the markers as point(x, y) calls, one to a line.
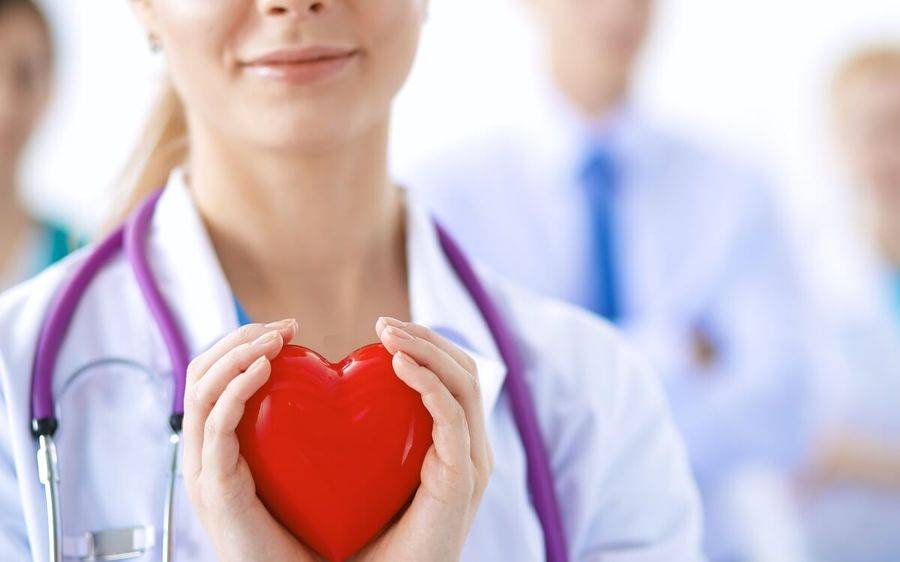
point(199, 40)
point(391, 30)
point(197, 10)
point(202, 28)
point(386, 21)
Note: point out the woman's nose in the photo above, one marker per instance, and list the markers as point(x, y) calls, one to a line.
point(294, 8)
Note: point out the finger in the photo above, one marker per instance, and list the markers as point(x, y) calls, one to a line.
point(208, 388)
point(450, 348)
point(221, 449)
point(450, 431)
point(201, 395)
point(462, 384)
point(468, 363)
point(287, 328)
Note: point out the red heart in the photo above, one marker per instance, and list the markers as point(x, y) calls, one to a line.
point(335, 449)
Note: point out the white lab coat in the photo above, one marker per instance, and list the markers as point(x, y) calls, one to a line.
point(621, 472)
point(861, 396)
point(701, 246)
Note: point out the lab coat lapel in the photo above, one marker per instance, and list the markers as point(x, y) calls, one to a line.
point(440, 301)
point(188, 270)
point(194, 284)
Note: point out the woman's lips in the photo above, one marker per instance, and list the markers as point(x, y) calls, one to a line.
point(300, 66)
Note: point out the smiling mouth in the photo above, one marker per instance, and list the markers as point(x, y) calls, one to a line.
point(301, 66)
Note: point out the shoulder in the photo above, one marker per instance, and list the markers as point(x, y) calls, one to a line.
point(22, 310)
point(26, 300)
point(24, 307)
point(702, 160)
point(687, 147)
point(489, 157)
point(721, 191)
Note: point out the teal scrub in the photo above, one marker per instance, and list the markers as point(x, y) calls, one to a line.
point(47, 244)
point(59, 243)
point(243, 317)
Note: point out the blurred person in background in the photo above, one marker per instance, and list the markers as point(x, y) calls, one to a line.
point(852, 489)
point(680, 246)
point(27, 244)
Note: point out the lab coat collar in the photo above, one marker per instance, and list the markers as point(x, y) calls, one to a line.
point(440, 301)
point(567, 135)
point(193, 282)
point(876, 297)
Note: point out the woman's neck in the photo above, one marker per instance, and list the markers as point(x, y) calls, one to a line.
point(317, 237)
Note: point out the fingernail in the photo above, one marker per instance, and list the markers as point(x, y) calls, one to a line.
point(393, 322)
point(398, 333)
point(282, 324)
point(266, 338)
point(380, 325)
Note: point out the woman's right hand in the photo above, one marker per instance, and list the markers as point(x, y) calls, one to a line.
point(218, 480)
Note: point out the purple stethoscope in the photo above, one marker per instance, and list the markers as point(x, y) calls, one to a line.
point(131, 238)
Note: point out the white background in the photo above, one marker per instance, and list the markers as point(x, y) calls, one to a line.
point(748, 75)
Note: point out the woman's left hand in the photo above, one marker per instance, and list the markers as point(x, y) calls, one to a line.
point(458, 465)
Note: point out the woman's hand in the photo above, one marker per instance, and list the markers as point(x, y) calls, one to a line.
point(458, 465)
point(218, 480)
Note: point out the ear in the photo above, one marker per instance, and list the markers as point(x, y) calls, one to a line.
point(144, 12)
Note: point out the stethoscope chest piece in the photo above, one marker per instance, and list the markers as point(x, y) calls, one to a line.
point(113, 544)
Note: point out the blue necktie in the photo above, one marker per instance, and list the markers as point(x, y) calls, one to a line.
point(599, 177)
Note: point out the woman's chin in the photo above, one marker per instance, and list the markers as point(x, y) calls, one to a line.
point(305, 139)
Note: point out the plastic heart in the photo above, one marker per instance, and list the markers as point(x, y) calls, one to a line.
point(335, 449)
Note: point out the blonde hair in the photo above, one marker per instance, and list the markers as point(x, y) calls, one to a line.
point(162, 147)
point(878, 61)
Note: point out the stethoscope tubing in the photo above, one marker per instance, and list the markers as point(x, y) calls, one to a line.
point(135, 241)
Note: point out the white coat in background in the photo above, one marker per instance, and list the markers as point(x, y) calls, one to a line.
point(847, 522)
point(621, 471)
point(700, 249)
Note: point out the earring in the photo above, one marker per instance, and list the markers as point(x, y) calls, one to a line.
point(155, 44)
